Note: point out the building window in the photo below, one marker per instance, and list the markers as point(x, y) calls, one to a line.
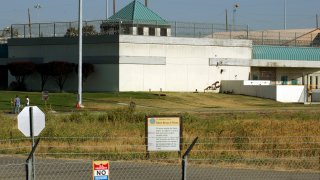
point(284, 80)
point(316, 82)
point(140, 30)
point(163, 32)
point(152, 31)
point(255, 77)
point(310, 83)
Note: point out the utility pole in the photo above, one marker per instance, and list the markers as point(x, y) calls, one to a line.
point(226, 20)
point(107, 9)
point(317, 21)
point(235, 7)
point(285, 14)
point(29, 22)
point(114, 7)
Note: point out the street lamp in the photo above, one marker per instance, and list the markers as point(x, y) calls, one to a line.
point(38, 7)
point(285, 15)
point(235, 7)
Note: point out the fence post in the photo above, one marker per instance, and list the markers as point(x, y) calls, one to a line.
point(185, 159)
point(39, 30)
point(11, 32)
point(54, 29)
point(175, 29)
point(212, 30)
point(247, 31)
point(194, 30)
point(30, 166)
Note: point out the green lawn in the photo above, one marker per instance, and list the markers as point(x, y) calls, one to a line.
point(145, 101)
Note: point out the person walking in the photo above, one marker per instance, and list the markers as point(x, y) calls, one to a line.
point(17, 105)
point(27, 101)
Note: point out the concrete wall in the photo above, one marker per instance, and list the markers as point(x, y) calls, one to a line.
point(281, 93)
point(138, 63)
point(187, 63)
point(101, 52)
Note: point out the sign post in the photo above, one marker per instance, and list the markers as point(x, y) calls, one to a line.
point(101, 170)
point(31, 121)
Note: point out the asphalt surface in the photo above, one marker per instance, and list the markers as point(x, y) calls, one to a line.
point(13, 168)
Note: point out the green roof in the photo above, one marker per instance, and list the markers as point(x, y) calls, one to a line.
point(286, 53)
point(138, 13)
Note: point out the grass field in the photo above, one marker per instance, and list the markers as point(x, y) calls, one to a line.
point(228, 126)
point(170, 103)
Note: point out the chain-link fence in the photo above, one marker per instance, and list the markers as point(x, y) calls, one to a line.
point(238, 157)
point(176, 29)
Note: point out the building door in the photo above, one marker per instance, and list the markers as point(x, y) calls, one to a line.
point(3, 77)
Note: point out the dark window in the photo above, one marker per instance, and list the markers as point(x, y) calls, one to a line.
point(140, 30)
point(152, 31)
point(255, 77)
point(163, 32)
point(284, 80)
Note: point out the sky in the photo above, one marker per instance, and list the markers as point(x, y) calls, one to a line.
point(257, 14)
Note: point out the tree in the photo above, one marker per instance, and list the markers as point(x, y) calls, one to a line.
point(45, 72)
point(20, 70)
point(60, 71)
point(87, 70)
point(71, 32)
point(9, 32)
point(87, 30)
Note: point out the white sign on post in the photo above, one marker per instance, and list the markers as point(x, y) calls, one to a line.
point(24, 121)
point(163, 133)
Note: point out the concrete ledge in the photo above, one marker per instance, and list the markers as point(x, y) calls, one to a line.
point(146, 60)
point(184, 41)
point(229, 62)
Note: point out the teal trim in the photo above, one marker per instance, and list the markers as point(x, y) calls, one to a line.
point(285, 53)
point(138, 13)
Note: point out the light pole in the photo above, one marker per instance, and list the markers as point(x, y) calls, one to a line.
point(107, 9)
point(79, 103)
point(235, 7)
point(285, 14)
point(37, 7)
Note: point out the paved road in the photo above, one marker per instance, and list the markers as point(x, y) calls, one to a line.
point(13, 168)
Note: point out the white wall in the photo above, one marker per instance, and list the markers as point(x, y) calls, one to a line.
point(287, 93)
point(140, 63)
point(186, 67)
point(281, 93)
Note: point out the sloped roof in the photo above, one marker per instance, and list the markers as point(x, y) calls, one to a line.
point(138, 13)
point(286, 53)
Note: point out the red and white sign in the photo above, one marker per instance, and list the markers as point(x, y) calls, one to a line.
point(100, 170)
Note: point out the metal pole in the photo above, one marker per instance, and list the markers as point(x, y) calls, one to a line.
point(184, 168)
point(80, 56)
point(32, 137)
point(107, 9)
point(29, 22)
point(226, 20)
point(317, 21)
point(285, 14)
point(114, 7)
